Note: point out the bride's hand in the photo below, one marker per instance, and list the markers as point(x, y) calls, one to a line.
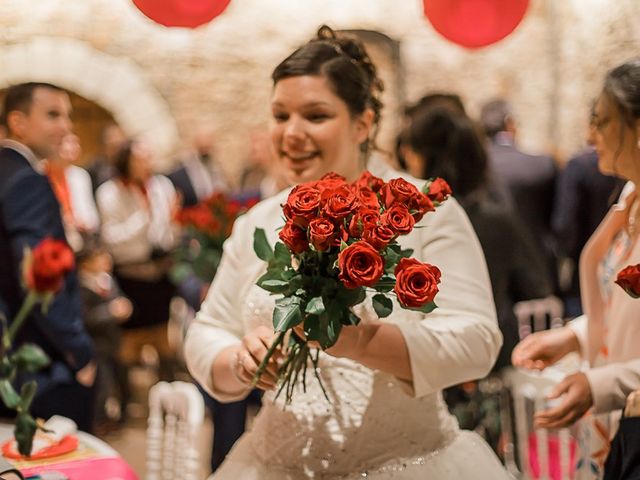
point(249, 355)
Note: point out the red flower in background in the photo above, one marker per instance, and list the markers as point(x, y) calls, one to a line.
point(629, 280)
point(47, 265)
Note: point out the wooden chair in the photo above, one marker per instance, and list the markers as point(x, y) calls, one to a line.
point(176, 413)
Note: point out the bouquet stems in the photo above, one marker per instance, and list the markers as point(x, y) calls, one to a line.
point(294, 367)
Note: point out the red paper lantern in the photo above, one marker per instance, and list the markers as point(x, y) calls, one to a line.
point(181, 13)
point(475, 23)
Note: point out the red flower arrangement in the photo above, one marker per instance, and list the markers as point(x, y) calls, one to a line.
point(207, 225)
point(629, 280)
point(43, 271)
point(339, 240)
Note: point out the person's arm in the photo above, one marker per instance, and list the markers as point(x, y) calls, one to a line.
point(31, 213)
point(457, 342)
point(610, 384)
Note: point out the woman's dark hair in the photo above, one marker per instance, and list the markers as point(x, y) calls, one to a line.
point(622, 87)
point(122, 160)
point(345, 63)
point(450, 147)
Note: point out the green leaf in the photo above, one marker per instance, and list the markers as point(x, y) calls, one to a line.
point(30, 358)
point(282, 255)
point(343, 245)
point(385, 284)
point(274, 285)
point(24, 432)
point(9, 395)
point(351, 296)
point(287, 313)
point(315, 306)
point(426, 308)
point(261, 245)
point(323, 329)
point(382, 305)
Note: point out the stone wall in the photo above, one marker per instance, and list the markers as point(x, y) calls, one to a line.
point(161, 82)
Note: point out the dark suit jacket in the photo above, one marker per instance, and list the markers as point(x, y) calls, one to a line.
point(515, 266)
point(182, 183)
point(30, 212)
point(530, 182)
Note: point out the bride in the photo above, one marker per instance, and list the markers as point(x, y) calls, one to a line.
point(386, 418)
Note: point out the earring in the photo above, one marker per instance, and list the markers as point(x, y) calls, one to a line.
point(638, 144)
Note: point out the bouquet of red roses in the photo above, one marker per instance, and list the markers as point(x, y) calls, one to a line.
point(339, 240)
point(629, 279)
point(207, 225)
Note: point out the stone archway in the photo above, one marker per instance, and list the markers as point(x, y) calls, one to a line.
point(115, 83)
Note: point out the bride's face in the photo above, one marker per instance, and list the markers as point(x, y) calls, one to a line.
point(313, 132)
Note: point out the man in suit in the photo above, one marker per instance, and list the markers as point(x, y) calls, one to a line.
point(36, 118)
point(199, 175)
point(524, 182)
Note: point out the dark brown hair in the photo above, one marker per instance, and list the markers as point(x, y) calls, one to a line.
point(20, 98)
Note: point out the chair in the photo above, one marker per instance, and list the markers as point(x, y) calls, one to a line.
point(538, 314)
point(535, 453)
point(176, 413)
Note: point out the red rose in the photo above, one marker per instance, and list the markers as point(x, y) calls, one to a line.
point(399, 219)
point(339, 202)
point(416, 282)
point(629, 280)
point(368, 198)
point(46, 266)
point(302, 204)
point(367, 180)
point(378, 236)
point(330, 181)
point(294, 237)
point(322, 233)
point(365, 218)
point(398, 190)
point(360, 265)
point(439, 190)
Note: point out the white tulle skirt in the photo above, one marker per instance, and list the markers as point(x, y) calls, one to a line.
point(466, 457)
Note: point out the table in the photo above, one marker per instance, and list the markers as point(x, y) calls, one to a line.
point(94, 459)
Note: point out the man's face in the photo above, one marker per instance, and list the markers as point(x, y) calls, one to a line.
point(46, 123)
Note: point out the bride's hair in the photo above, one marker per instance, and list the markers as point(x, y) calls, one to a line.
point(344, 61)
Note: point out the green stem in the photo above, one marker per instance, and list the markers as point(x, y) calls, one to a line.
point(263, 364)
point(28, 304)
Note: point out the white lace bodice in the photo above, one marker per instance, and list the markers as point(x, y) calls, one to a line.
point(369, 421)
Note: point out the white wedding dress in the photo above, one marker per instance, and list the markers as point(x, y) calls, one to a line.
point(370, 429)
point(375, 426)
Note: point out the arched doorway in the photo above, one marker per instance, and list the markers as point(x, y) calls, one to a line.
point(114, 86)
